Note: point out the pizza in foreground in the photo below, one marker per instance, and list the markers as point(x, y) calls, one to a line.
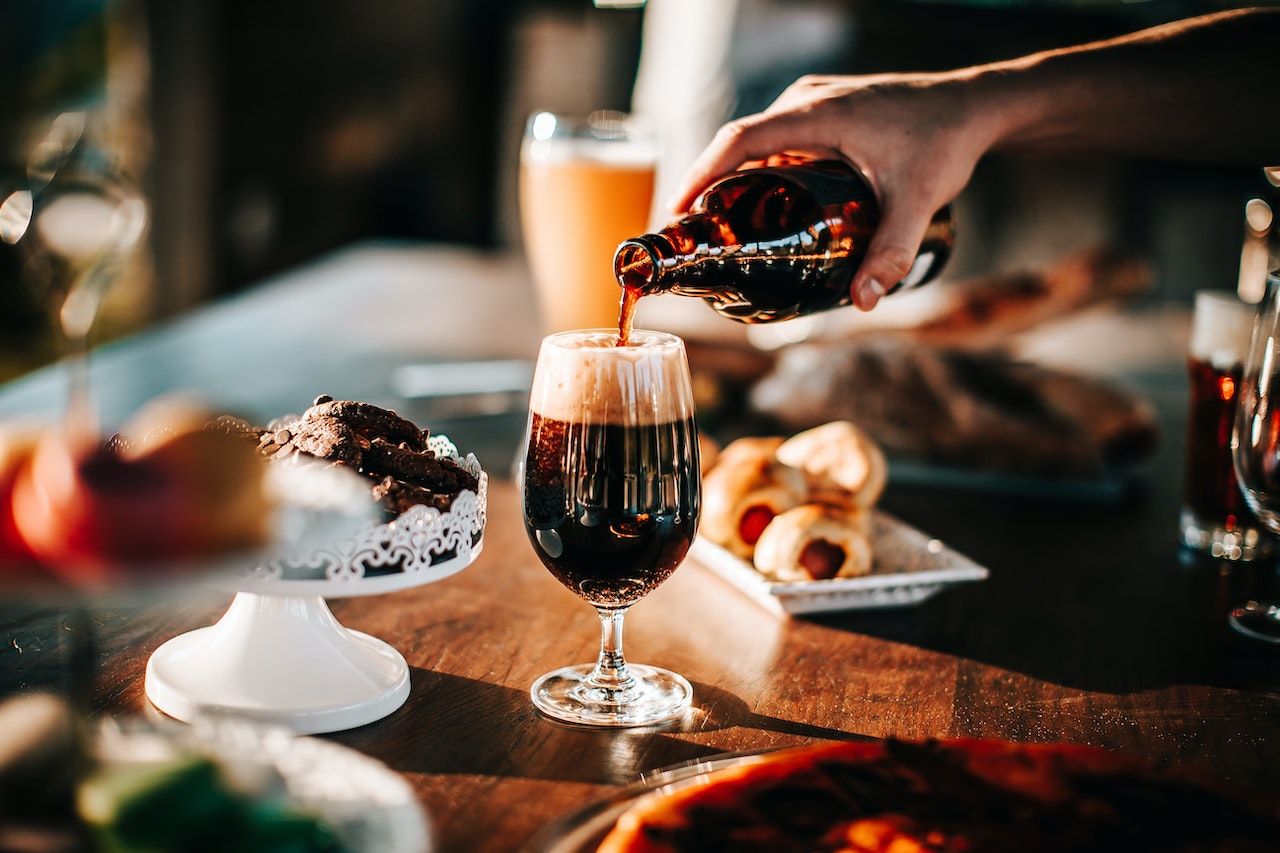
point(967, 796)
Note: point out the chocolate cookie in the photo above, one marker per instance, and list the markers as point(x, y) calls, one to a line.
point(423, 469)
point(235, 427)
point(370, 421)
point(323, 437)
point(398, 497)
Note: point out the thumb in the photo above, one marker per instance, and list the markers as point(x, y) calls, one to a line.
point(891, 253)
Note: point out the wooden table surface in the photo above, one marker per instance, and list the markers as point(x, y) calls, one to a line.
point(1092, 627)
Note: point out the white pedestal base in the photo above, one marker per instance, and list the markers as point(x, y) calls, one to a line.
point(283, 660)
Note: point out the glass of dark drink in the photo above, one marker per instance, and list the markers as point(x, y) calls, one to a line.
point(1255, 448)
point(1216, 520)
point(610, 491)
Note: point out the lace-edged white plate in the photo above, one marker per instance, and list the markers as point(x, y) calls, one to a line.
point(279, 621)
point(421, 546)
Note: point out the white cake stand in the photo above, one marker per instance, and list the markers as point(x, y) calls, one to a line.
point(279, 655)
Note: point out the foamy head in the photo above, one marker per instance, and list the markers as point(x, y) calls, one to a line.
point(604, 138)
point(1221, 328)
point(603, 155)
point(584, 377)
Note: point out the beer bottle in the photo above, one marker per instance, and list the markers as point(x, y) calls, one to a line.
point(772, 242)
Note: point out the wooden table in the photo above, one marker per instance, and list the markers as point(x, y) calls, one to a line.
point(1091, 628)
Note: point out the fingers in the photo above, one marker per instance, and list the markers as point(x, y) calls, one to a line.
point(891, 253)
point(751, 138)
point(801, 91)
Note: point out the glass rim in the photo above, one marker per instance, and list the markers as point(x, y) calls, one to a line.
point(641, 339)
point(604, 126)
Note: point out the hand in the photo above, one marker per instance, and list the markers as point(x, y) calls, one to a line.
point(916, 138)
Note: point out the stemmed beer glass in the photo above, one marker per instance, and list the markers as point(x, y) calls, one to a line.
point(1255, 448)
point(610, 490)
point(76, 218)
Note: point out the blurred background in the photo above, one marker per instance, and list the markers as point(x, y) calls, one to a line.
point(266, 134)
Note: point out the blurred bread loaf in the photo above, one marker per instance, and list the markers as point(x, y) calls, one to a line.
point(222, 479)
point(985, 311)
point(971, 410)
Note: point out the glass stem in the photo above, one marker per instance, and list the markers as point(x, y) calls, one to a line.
point(80, 417)
point(611, 671)
point(79, 310)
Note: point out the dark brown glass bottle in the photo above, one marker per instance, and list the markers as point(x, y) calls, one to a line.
point(773, 242)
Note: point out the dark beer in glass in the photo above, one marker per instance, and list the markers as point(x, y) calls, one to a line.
point(1215, 519)
point(610, 492)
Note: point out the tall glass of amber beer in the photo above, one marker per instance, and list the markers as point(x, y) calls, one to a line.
point(586, 184)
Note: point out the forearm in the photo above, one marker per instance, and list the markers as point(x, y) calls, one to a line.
point(1201, 89)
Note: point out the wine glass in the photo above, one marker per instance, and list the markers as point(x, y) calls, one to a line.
point(611, 490)
point(76, 217)
point(1255, 448)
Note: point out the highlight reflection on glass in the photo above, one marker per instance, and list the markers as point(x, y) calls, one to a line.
point(76, 218)
point(1255, 447)
point(1215, 518)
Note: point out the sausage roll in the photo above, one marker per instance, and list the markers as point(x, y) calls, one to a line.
point(843, 466)
point(743, 493)
point(814, 542)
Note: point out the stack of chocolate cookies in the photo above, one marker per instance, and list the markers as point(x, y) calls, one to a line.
point(377, 443)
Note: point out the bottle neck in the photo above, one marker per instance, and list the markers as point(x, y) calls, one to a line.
point(688, 256)
point(638, 263)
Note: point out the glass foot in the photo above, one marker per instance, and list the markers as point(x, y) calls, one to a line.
point(1257, 621)
point(654, 696)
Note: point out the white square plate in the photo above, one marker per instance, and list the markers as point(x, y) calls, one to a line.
point(909, 566)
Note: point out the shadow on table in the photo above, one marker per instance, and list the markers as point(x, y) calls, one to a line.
point(717, 708)
point(1162, 625)
point(455, 725)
